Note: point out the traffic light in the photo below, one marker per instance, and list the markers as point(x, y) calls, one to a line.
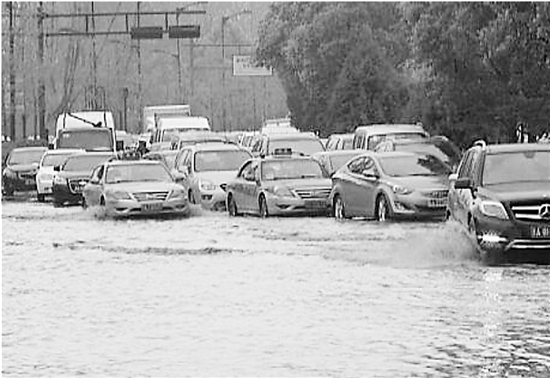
point(146, 32)
point(184, 31)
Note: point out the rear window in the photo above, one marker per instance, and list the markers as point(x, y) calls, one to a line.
point(298, 146)
point(374, 140)
point(84, 162)
point(421, 165)
point(227, 160)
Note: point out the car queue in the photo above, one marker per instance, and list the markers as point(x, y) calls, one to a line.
point(386, 172)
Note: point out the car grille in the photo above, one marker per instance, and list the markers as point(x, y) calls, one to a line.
point(77, 185)
point(532, 211)
point(27, 175)
point(436, 193)
point(313, 193)
point(150, 196)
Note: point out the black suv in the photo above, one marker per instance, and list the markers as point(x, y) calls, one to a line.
point(501, 195)
point(19, 173)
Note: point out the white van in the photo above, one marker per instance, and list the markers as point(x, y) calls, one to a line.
point(368, 137)
point(84, 119)
point(167, 127)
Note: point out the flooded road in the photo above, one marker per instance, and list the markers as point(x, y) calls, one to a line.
point(211, 295)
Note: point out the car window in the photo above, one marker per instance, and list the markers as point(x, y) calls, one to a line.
point(465, 165)
point(368, 168)
point(521, 166)
point(223, 160)
point(246, 168)
point(355, 166)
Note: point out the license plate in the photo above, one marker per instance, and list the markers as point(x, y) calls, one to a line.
point(540, 232)
point(316, 204)
point(437, 202)
point(150, 207)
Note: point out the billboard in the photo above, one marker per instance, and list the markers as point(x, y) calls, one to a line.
point(243, 66)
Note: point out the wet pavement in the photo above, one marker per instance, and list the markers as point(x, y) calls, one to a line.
point(210, 295)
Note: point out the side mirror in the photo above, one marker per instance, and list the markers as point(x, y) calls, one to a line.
point(463, 183)
point(57, 168)
point(179, 177)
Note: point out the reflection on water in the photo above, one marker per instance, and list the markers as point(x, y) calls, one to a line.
point(211, 295)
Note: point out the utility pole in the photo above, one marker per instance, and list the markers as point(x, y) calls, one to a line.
point(12, 72)
point(140, 114)
point(41, 86)
point(94, 63)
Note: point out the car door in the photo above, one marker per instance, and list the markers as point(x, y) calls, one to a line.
point(352, 191)
point(93, 189)
point(464, 197)
point(251, 187)
point(237, 187)
point(370, 177)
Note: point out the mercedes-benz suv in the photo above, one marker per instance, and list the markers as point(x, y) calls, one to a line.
point(501, 196)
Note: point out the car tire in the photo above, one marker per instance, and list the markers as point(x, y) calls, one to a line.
point(40, 197)
point(264, 211)
point(383, 209)
point(57, 202)
point(339, 210)
point(191, 197)
point(102, 201)
point(84, 204)
point(8, 192)
point(232, 206)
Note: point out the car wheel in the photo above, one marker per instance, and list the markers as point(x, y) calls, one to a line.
point(8, 192)
point(84, 204)
point(232, 206)
point(383, 209)
point(191, 197)
point(102, 201)
point(40, 197)
point(57, 202)
point(264, 212)
point(339, 210)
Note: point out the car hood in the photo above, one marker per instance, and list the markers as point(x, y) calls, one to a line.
point(144, 186)
point(216, 177)
point(517, 191)
point(302, 183)
point(421, 182)
point(23, 167)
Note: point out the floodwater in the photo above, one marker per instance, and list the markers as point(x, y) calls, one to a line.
point(211, 295)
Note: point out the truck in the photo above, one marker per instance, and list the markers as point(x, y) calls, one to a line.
point(153, 113)
point(88, 130)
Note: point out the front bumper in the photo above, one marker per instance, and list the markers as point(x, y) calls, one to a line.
point(130, 207)
point(18, 183)
point(213, 200)
point(62, 194)
point(278, 205)
point(513, 237)
point(417, 206)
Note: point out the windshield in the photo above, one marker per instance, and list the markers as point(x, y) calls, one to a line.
point(291, 169)
point(220, 160)
point(137, 172)
point(427, 149)
point(90, 140)
point(516, 167)
point(298, 146)
point(374, 140)
point(25, 156)
point(84, 162)
point(421, 165)
point(169, 134)
point(51, 160)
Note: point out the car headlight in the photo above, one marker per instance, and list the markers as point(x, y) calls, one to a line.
point(281, 191)
point(58, 180)
point(207, 185)
point(9, 173)
point(119, 195)
point(177, 193)
point(398, 189)
point(493, 209)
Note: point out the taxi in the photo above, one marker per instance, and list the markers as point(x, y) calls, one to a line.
point(135, 187)
point(282, 184)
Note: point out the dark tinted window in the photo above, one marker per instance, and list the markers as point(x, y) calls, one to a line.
point(25, 156)
point(516, 167)
point(422, 165)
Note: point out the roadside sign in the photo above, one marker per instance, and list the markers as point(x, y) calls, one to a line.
point(243, 66)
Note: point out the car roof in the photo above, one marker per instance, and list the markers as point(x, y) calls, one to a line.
point(36, 148)
point(63, 151)
point(338, 152)
point(516, 147)
point(87, 154)
point(389, 127)
point(215, 146)
point(293, 136)
point(284, 158)
point(133, 162)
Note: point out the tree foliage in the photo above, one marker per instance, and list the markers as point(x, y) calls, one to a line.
point(467, 70)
